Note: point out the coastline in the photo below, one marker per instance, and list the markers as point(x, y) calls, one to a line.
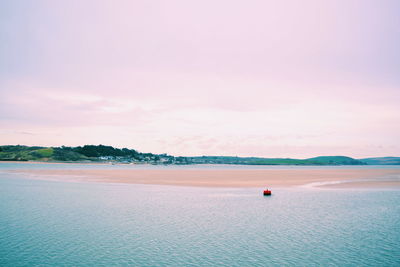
point(324, 178)
point(54, 162)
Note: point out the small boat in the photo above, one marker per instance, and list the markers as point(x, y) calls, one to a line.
point(267, 192)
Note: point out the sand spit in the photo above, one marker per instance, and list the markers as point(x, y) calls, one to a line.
point(343, 178)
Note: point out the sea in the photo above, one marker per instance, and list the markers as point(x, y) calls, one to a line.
point(57, 223)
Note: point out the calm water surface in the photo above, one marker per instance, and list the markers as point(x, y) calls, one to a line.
point(44, 223)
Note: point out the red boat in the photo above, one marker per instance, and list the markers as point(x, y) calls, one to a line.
point(267, 192)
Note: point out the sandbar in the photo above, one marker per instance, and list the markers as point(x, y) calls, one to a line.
point(335, 178)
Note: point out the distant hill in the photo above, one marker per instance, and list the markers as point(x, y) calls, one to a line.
point(335, 160)
point(325, 160)
point(102, 153)
point(37, 153)
point(87, 153)
point(382, 161)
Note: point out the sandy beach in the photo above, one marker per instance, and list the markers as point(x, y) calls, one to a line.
point(339, 178)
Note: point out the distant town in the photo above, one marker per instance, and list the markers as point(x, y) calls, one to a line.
point(109, 154)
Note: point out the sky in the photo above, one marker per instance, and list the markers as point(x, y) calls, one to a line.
point(211, 77)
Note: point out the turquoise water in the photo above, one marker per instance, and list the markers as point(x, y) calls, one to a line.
point(45, 223)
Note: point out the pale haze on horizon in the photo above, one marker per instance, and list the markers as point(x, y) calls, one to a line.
point(246, 78)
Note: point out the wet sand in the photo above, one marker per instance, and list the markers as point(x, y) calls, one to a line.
point(340, 178)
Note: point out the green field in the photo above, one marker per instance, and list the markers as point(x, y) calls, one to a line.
point(101, 153)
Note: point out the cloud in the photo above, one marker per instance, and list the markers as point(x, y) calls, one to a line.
point(184, 77)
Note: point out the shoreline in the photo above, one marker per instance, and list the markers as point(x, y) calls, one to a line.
point(55, 162)
point(322, 178)
point(248, 166)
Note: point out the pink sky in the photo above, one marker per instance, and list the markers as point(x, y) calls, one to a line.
point(245, 78)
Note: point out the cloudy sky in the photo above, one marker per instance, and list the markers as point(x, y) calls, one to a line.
point(211, 77)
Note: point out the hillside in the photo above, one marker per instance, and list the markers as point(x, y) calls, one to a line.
point(24, 153)
point(102, 153)
point(382, 161)
point(325, 160)
point(87, 153)
point(335, 160)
